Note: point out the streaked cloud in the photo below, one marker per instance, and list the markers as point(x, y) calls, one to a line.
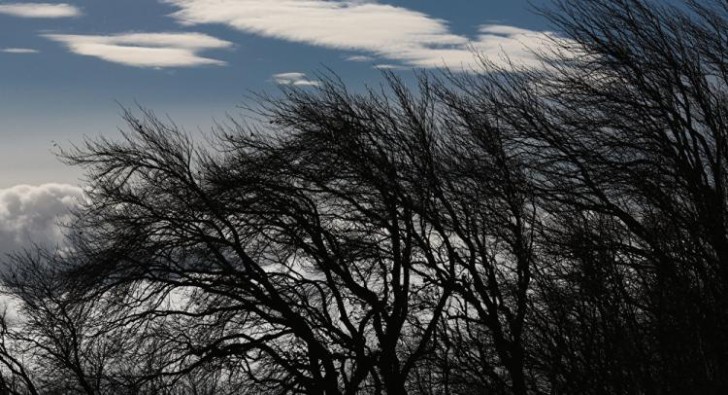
point(19, 50)
point(294, 79)
point(360, 58)
point(30, 215)
point(385, 66)
point(40, 10)
point(388, 32)
point(156, 50)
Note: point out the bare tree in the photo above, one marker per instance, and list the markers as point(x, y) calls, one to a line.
point(624, 130)
point(559, 229)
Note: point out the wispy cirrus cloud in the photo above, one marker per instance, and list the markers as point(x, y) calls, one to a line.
point(359, 58)
point(294, 79)
point(409, 37)
point(155, 50)
point(19, 50)
point(385, 66)
point(40, 10)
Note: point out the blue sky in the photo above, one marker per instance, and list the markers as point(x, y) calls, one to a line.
point(65, 65)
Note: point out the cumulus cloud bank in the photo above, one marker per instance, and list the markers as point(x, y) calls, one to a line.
point(295, 79)
point(39, 10)
point(32, 214)
point(157, 50)
point(413, 38)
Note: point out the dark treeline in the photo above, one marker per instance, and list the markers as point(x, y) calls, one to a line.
point(560, 229)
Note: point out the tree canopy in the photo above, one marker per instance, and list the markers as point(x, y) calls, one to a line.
point(559, 229)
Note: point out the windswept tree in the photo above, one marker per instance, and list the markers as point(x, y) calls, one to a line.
point(626, 130)
point(320, 254)
point(552, 230)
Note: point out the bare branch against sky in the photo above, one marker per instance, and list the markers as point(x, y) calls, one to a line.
point(417, 198)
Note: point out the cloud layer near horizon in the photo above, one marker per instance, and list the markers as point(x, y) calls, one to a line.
point(396, 33)
point(31, 215)
point(39, 10)
point(157, 50)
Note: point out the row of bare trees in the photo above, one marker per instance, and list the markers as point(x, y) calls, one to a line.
point(553, 230)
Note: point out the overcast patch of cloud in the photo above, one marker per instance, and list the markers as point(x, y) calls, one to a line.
point(19, 50)
point(40, 10)
point(294, 79)
point(153, 50)
point(395, 33)
point(30, 215)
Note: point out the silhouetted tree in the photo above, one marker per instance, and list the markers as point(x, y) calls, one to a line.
point(559, 229)
point(623, 132)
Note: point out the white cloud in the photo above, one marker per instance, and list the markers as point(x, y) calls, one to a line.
point(295, 79)
point(40, 10)
point(32, 214)
point(388, 67)
point(19, 50)
point(360, 58)
point(396, 33)
point(158, 50)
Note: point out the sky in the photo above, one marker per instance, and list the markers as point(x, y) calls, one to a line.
point(67, 69)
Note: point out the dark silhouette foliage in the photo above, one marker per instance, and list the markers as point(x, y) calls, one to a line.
point(560, 229)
